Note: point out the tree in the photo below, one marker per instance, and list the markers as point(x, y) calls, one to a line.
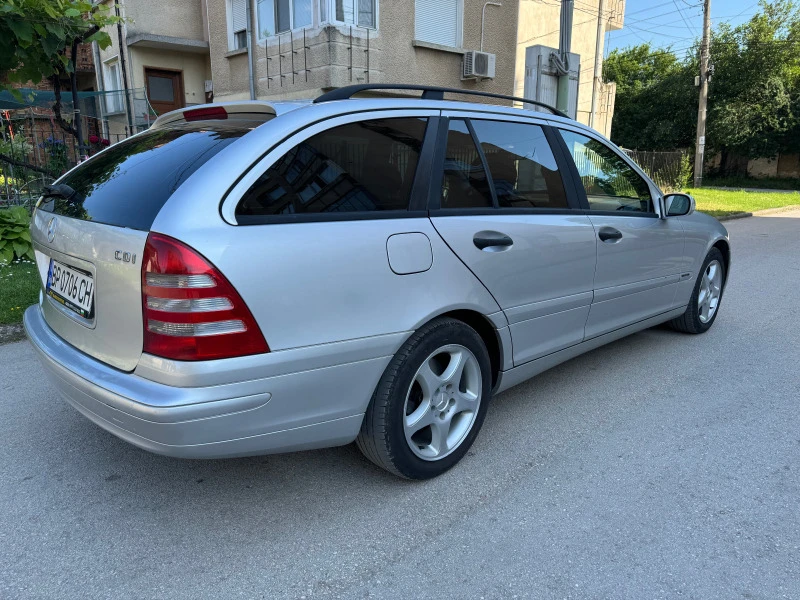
point(39, 41)
point(655, 92)
point(754, 98)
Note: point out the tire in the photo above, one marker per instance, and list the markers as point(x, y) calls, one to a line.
point(693, 320)
point(416, 388)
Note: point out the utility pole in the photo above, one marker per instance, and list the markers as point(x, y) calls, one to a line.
point(598, 62)
point(700, 142)
point(564, 48)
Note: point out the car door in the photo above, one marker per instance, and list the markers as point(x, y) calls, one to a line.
point(499, 200)
point(639, 255)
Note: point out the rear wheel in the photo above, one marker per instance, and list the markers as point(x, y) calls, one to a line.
point(706, 297)
point(430, 403)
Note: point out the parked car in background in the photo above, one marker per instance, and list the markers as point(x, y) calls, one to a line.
point(257, 277)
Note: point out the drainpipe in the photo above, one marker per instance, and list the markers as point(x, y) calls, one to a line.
point(483, 18)
point(122, 47)
point(250, 49)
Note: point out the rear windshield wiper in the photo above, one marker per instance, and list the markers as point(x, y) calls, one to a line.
point(61, 190)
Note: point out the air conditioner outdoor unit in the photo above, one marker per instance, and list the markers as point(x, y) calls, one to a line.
point(478, 64)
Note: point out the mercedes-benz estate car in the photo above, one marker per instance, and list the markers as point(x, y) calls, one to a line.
point(260, 277)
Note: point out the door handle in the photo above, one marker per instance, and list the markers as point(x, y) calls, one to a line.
point(492, 241)
point(609, 234)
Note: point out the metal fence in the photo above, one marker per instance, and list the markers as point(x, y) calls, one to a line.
point(30, 135)
point(672, 171)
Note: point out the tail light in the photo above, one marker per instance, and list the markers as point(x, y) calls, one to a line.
point(191, 311)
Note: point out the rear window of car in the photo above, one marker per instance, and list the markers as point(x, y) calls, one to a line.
point(127, 184)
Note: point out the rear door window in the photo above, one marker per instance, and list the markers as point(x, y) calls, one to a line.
point(464, 183)
point(367, 166)
point(129, 183)
point(522, 165)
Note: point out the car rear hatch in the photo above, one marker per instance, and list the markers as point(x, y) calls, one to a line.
point(90, 229)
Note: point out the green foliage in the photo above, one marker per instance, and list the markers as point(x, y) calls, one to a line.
point(20, 287)
point(15, 238)
point(754, 95)
point(35, 35)
point(686, 173)
point(656, 103)
point(720, 203)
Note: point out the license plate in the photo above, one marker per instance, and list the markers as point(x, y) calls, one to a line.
point(72, 288)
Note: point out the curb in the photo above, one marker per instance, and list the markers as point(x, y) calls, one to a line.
point(11, 333)
point(767, 211)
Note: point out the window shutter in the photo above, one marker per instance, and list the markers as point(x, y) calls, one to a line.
point(238, 15)
point(436, 21)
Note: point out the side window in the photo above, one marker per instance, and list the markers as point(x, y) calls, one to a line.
point(364, 166)
point(464, 184)
point(522, 165)
point(610, 183)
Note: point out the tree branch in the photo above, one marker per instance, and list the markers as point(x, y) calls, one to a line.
point(54, 79)
point(24, 165)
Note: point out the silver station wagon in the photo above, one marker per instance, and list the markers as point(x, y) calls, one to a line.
point(260, 277)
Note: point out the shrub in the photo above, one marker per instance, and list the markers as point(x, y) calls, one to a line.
point(15, 238)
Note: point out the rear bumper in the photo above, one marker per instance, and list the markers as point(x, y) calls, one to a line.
point(299, 410)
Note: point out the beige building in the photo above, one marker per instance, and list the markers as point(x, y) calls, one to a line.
point(166, 62)
point(184, 52)
point(539, 25)
point(304, 47)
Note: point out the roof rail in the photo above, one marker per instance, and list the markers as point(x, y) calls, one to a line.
point(429, 92)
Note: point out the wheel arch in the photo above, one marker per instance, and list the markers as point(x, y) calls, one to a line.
point(725, 248)
point(484, 327)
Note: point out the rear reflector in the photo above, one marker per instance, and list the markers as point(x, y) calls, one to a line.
point(204, 114)
point(191, 311)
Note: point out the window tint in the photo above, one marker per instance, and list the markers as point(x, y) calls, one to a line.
point(365, 166)
point(610, 183)
point(464, 184)
point(521, 164)
point(127, 184)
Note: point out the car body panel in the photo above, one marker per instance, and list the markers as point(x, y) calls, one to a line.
point(543, 282)
point(114, 335)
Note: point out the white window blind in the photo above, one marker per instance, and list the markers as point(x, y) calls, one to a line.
point(438, 22)
point(238, 15)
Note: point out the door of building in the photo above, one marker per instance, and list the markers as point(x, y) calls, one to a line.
point(164, 89)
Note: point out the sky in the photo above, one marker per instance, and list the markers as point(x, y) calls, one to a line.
point(662, 24)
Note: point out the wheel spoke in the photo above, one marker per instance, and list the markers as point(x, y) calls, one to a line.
point(428, 380)
point(420, 418)
point(455, 369)
point(439, 430)
point(712, 272)
point(704, 307)
point(465, 401)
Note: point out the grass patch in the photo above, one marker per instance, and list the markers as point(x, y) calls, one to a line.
point(720, 203)
point(19, 288)
point(768, 183)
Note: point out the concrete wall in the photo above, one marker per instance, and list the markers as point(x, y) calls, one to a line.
point(539, 24)
point(392, 55)
point(174, 18)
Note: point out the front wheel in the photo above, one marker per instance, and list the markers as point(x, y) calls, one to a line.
point(430, 403)
point(706, 296)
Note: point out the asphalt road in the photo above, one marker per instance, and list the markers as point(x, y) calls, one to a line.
point(661, 466)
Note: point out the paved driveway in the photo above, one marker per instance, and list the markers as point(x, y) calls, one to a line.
point(661, 466)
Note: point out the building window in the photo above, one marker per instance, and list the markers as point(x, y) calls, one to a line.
point(355, 12)
point(237, 24)
point(278, 16)
point(113, 87)
point(439, 21)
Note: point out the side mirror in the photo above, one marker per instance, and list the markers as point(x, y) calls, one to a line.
point(676, 205)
